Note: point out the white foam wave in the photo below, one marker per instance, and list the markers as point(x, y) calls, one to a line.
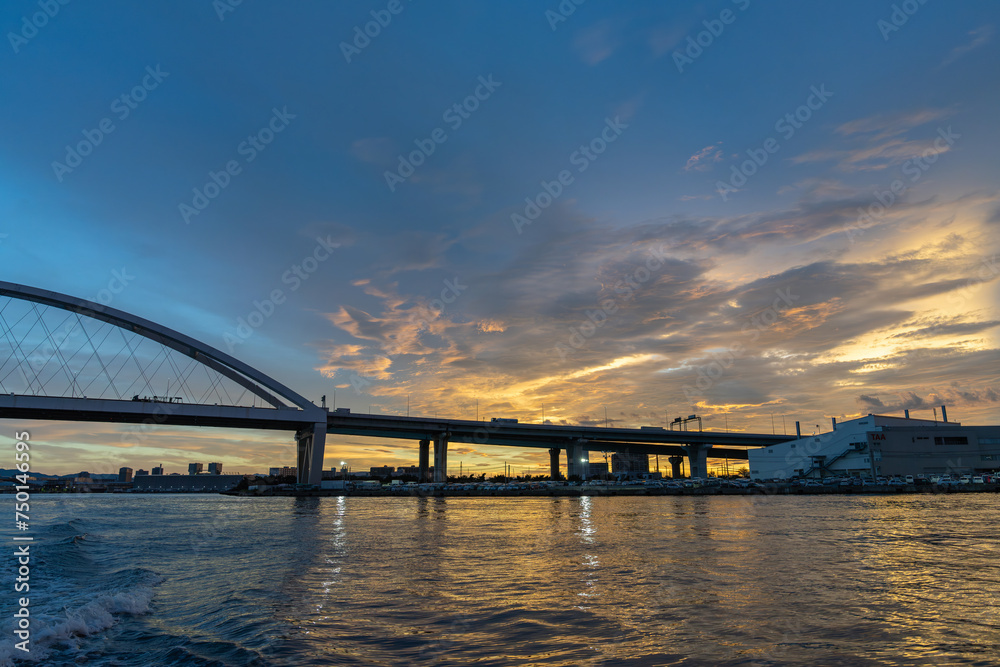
point(68, 626)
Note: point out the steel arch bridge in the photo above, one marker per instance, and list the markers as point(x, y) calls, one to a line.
point(71, 359)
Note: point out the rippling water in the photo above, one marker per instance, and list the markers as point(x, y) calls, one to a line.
point(215, 580)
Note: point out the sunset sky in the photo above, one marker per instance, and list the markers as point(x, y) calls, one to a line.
point(750, 211)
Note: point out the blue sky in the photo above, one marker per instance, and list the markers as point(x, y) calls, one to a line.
point(650, 237)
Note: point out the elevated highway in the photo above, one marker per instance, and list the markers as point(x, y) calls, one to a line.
point(576, 441)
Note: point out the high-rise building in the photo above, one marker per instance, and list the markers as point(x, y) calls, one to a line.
point(283, 472)
point(628, 463)
point(140, 471)
point(597, 470)
point(214, 468)
point(124, 474)
point(195, 468)
point(158, 470)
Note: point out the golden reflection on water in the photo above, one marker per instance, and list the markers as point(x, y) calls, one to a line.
point(590, 561)
point(721, 580)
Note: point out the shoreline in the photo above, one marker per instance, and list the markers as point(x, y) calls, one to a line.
point(772, 489)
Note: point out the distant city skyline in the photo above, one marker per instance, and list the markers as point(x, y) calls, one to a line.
point(759, 214)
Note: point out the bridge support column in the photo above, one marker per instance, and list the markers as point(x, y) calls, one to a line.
point(441, 458)
point(697, 460)
point(675, 466)
point(310, 444)
point(425, 455)
point(554, 463)
point(577, 462)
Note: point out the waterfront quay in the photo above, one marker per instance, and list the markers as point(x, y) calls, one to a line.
point(685, 488)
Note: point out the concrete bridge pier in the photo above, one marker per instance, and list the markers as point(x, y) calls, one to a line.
point(310, 443)
point(424, 463)
point(554, 463)
point(441, 458)
point(697, 460)
point(577, 462)
point(675, 466)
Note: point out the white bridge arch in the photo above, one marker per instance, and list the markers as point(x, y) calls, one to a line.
point(285, 409)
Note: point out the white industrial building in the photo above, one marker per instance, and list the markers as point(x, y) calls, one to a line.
point(880, 446)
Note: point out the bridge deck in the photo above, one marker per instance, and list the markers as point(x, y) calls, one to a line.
point(148, 412)
point(648, 440)
point(545, 436)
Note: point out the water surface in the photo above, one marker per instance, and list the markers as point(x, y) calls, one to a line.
point(727, 580)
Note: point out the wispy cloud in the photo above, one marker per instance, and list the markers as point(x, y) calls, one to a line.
point(883, 126)
point(598, 42)
point(873, 157)
point(980, 36)
point(374, 150)
point(663, 38)
point(880, 141)
point(705, 158)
